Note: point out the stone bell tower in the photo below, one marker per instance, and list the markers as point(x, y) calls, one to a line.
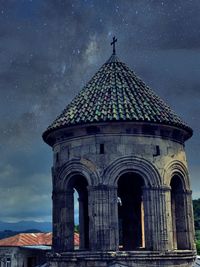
point(121, 148)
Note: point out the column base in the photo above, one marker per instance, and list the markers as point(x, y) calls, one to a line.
point(179, 258)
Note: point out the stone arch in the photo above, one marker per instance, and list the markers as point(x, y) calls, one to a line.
point(75, 167)
point(133, 205)
point(76, 174)
point(137, 165)
point(176, 168)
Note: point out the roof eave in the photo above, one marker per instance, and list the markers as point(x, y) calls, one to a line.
point(49, 135)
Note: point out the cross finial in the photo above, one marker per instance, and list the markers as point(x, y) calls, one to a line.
point(113, 44)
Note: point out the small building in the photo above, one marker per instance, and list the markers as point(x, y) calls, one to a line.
point(122, 149)
point(25, 250)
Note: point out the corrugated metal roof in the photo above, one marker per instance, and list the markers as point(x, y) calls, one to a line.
point(32, 239)
point(26, 239)
point(116, 93)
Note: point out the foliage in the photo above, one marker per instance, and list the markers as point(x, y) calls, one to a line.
point(76, 228)
point(198, 246)
point(196, 206)
point(197, 234)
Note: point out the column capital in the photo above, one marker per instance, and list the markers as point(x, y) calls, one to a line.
point(188, 192)
point(184, 192)
point(156, 188)
point(62, 192)
point(102, 187)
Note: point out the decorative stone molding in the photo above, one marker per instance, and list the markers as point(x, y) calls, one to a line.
point(76, 167)
point(176, 167)
point(126, 164)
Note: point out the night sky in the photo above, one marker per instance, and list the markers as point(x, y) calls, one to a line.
point(49, 49)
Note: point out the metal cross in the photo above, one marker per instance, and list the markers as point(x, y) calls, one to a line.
point(113, 44)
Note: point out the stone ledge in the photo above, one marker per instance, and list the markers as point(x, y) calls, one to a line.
point(123, 255)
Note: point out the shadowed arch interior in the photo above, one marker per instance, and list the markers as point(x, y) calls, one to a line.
point(79, 183)
point(178, 210)
point(130, 211)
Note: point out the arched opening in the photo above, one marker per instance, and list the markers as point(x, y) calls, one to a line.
point(178, 211)
point(131, 212)
point(79, 184)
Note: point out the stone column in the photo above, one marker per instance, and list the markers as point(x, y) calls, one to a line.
point(155, 218)
point(103, 217)
point(55, 219)
point(165, 219)
point(190, 219)
point(68, 221)
point(63, 220)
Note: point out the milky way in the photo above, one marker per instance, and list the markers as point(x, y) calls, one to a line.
point(50, 49)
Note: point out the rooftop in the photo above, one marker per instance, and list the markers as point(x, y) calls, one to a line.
point(116, 93)
point(32, 239)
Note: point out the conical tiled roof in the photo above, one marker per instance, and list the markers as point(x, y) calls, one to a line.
point(115, 93)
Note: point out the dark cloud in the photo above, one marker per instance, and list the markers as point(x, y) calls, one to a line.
point(50, 49)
